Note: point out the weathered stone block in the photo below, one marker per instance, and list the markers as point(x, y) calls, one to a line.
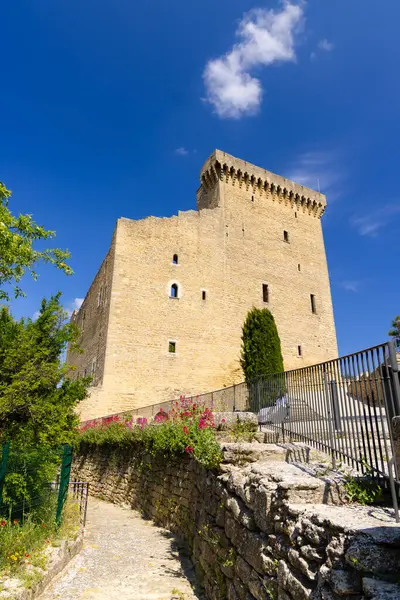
point(241, 512)
point(299, 563)
point(288, 581)
point(227, 420)
point(380, 590)
point(363, 555)
point(345, 582)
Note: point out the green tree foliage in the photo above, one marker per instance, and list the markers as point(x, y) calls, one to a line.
point(395, 328)
point(261, 346)
point(261, 359)
point(37, 401)
point(17, 253)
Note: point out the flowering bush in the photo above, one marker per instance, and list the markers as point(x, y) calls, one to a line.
point(188, 427)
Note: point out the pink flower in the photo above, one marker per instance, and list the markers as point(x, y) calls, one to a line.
point(189, 449)
point(223, 420)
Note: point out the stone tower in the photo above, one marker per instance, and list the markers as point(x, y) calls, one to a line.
point(164, 314)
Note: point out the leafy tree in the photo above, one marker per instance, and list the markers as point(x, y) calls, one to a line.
point(17, 254)
point(37, 401)
point(261, 346)
point(395, 328)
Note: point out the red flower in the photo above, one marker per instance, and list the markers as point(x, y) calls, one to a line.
point(189, 449)
point(2, 523)
point(15, 521)
point(27, 555)
point(43, 525)
point(223, 420)
point(186, 430)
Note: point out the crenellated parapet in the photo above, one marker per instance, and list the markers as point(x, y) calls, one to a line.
point(224, 168)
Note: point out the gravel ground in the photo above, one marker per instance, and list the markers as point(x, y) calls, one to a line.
point(124, 557)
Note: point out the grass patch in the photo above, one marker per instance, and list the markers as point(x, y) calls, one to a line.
point(24, 543)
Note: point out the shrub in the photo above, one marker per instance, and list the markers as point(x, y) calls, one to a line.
point(187, 428)
point(363, 489)
point(261, 359)
point(261, 346)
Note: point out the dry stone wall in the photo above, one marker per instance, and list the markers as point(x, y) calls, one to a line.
point(258, 530)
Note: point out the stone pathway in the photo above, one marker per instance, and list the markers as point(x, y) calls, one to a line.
point(124, 557)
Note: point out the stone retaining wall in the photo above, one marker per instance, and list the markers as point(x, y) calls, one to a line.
point(258, 530)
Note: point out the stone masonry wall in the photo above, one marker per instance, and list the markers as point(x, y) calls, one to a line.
point(251, 533)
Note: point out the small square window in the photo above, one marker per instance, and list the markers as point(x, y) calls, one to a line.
point(203, 294)
point(299, 267)
point(172, 347)
point(265, 292)
point(299, 351)
point(286, 236)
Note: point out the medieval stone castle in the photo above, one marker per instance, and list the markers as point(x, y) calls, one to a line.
point(164, 314)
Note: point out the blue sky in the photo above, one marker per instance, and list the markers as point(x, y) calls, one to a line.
point(109, 109)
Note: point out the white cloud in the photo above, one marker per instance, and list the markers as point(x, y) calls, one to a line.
point(326, 45)
point(266, 37)
point(74, 305)
point(320, 171)
point(77, 303)
point(371, 224)
point(351, 285)
point(181, 151)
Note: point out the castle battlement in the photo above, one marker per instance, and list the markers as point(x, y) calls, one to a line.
point(222, 167)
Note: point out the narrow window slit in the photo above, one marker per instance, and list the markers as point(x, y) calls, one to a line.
point(313, 304)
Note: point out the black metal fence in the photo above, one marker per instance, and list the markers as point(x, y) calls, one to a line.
point(344, 407)
point(79, 491)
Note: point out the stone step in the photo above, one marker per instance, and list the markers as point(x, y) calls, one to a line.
point(285, 482)
point(241, 453)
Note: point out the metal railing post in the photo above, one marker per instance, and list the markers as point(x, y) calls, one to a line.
point(395, 378)
point(3, 467)
point(64, 481)
point(329, 414)
point(335, 405)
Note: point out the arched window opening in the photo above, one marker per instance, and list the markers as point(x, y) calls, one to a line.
point(174, 290)
point(175, 259)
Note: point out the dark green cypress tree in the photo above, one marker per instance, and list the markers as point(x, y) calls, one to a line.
point(261, 346)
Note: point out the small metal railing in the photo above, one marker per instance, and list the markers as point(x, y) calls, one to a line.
point(79, 490)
